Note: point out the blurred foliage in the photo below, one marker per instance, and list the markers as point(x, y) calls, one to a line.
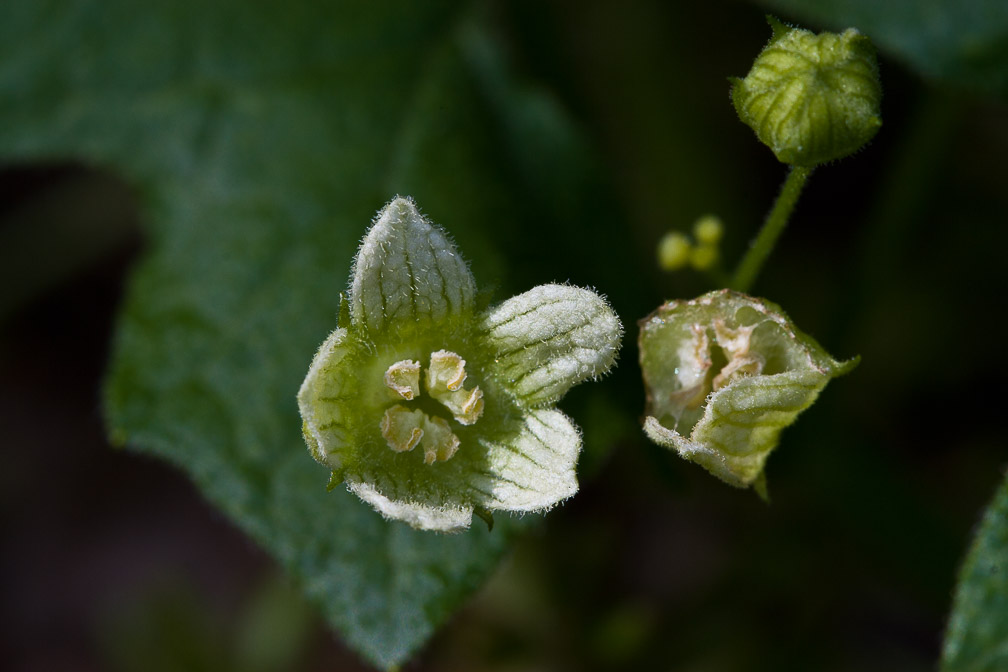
point(960, 43)
point(556, 142)
point(977, 638)
point(170, 628)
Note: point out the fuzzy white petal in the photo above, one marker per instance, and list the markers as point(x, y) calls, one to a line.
point(536, 469)
point(326, 396)
point(452, 518)
point(550, 338)
point(407, 270)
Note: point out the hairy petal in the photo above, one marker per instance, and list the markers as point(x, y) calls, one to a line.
point(549, 339)
point(418, 514)
point(535, 469)
point(326, 398)
point(742, 423)
point(407, 272)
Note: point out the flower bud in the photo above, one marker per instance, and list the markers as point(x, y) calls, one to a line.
point(674, 251)
point(811, 98)
point(708, 230)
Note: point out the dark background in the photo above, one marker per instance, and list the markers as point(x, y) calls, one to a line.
point(113, 561)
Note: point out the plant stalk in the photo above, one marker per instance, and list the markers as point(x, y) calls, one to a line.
point(751, 264)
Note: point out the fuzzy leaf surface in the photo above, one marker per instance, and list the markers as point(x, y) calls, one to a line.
point(261, 140)
point(977, 635)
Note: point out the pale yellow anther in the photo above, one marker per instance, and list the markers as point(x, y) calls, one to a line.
point(446, 372)
point(444, 382)
point(402, 428)
point(466, 405)
point(403, 379)
point(439, 442)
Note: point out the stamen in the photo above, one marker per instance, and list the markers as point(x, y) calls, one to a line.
point(439, 442)
point(447, 371)
point(444, 382)
point(402, 428)
point(403, 378)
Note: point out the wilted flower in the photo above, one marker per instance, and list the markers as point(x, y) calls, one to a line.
point(725, 373)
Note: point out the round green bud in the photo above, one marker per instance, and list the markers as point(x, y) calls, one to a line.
point(703, 257)
point(708, 230)
point(674, 251)
point(811, 98)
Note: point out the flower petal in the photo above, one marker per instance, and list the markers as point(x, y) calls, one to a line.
point(325, 397)
point(549, 339)
point(417, 514)
point(536, 469)
point(742, 423)
point(407, 271)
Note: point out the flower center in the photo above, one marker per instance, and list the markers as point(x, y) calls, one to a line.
point(695, 362)
point(404, 429)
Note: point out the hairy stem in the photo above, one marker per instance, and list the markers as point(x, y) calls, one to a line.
point(751, 264)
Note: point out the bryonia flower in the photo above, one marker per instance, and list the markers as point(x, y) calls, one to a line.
point(725, 373)
point(430, 408)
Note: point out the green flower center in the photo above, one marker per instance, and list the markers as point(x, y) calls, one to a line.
point(404, 428)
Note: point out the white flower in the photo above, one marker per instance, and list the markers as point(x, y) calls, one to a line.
point(430, 408)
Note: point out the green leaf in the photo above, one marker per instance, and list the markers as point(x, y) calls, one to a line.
point(964, 43)
point(977, 635)
point(261, 139)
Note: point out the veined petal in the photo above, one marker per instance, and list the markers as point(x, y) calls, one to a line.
point(550, 338)
point(407, 271)
point(325, 397)
point(420, 515)
point(741, 424)
point(536, 469)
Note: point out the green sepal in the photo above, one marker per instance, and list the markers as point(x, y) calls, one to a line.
point(779, 28)
point(725, 373)
point(486, 516)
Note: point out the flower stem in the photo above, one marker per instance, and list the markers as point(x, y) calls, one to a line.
point(775, 222)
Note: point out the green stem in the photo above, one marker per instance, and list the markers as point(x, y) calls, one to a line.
point(775, 222)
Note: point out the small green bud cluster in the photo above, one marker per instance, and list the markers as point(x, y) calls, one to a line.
point(677, 250)
point(811, 98)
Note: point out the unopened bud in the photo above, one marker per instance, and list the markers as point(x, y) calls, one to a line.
point(811, 98)
point(674, 251)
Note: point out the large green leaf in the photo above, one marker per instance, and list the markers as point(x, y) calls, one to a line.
point(962, 42)
point(977, 636)
point(261, 138)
